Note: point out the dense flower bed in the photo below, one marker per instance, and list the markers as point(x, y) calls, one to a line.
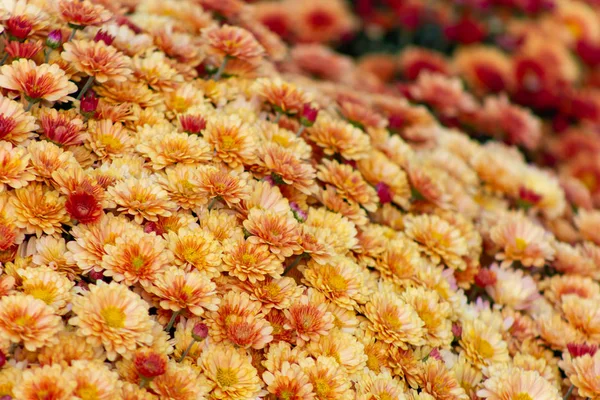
point(200, 202)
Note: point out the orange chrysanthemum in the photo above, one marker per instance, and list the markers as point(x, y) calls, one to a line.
point(233, 142)
point(16, 125)
point(289, 382)
point(339, 137)
point(222, 184)
point(233, 42)
point(141, 198)
point(349, 183)
point(52, 381)
point(279, 231)
point(112, 316)
point(308, 317)
point(39, 210)
point(284, 97)
point(285, 167)
point(36, 83)
point(96, 59)
point(252, 262)
point(82, 13)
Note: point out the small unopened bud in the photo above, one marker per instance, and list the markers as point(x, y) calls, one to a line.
point(299, 214)
point(104, 37)
point(435, 353)
point(384, 193)
point(199, 332)
point(83, 285)
point(154, 227)
point(309, 115)
point(581, 349)
point(89, 103)
point(2, 359)
point(54, 39)
point(96, 275)
point(395, 122)
point(456, 330)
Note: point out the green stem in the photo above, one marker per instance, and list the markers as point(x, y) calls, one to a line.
point(47, 55)
point(85, 87)
point(172, 321)
point(212, 203)
point(293, 264)
point(300, 131)
point(221, 68)
point(29, 105)
point(185, 353)
point(277, 118)
point(72, 35)
point(569, 392)
point(4, 59)
point(144, 381)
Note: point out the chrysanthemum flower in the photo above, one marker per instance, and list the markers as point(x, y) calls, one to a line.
point(252, 262)
point(141, 198)
point(284, 97)
point(180, 182)
point(332, 201)
point(136, 257)
point(232, 373)
point(314, 21)
point(27, 320)
point(233, 142)
point(277, 293)
point(512, 288)
point(16, 125)
point(290, 381)
point(349, 183)
point(434, 312)
point(181, 382)
point(53, 381)
point(265, 196)
point(399, 260)
point(47, 285)
point(440, 382)
point(558, 333)
point(130, 391)
point(107, 139)
point(93, 380)
point(154, 69)
point(583, 314)
point(97, 60)
point(445, 95)
point(328, 378)
point(438, 239)
point(379, 385)
point(165, 148)
point(14, 167)
point(233, 42)
point(36, 83)
point(308, 317)
point(338, 137)
point(585, 370)
point(39, 210)
point(84, 204)
point(279, 231)
point(518, 384)
point(223, 184)
point(482, 344)
point(389, 179)
point(340, 280)
point(224, 225)
point(285, 167)
point(68, 350)
point(112, 316)
point(179, 290)
point(64, 128)
point(394, 321)
point(338, 232)
point(345, 348)
point(82, 13)
point(195, 249)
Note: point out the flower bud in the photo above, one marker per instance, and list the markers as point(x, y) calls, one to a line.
point(581, 349)
point(192, 124)
point(54, 39)
point(105, 37)
point(485, 277)
point(89, 103)
point(309, 115)
point(199, 332)
point(384, 193)
point(96, 275)
point(2, 359)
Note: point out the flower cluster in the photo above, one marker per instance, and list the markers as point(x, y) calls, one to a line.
point(191, 209)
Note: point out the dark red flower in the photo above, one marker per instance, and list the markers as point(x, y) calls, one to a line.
point(528, 198)
point(581, 349)
point(2, 359)
point(396, 122)
point(589, 52)
point(466, 31)
point(122, 20)
point(491, 78)
point(384, 193)
point(104, 37)
point(96, 275)
point(83, 204)
point(485, 277)
point(19, 27)
point(89, 103)
point(150, 363)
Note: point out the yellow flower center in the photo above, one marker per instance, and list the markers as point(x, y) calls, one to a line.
point(87, 392)
point(484, 348)
point(42, 293)
point(137, 262)
point(337, 283)
point(113, 316)
point(440, 239)
point(179, 104)
point(286, 395)
point(322, 387)
point(249, 259)
point(272, 289)
point(574, 28)
point(226, 377)
point(521, 244)
point(589, 180)
point(110, 142)
point(428, 318)
point(522, 396)
point(227, 141)
point(391, 319)
point(191, 255)
point(385, 396)
point(23, 320)
point(373, 362)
